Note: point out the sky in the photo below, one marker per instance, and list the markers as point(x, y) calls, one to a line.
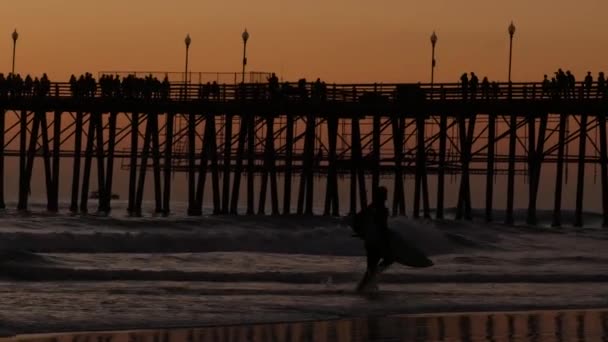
point(337, 40)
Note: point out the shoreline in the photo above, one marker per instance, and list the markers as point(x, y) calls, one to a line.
point(119, 333)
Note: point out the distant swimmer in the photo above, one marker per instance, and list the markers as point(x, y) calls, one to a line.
point(371, 224)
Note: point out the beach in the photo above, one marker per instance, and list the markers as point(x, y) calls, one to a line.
point(83, 273)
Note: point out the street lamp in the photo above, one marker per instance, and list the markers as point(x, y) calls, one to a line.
point(187, 41)
point(433, 42)
point(511, 33)
point(245, 36)
point(15, 36)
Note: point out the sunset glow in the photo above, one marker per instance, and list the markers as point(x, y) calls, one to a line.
point(341, 41)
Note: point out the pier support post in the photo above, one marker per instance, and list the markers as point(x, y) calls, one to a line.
point(604, 167)
point(31, 155)
point(307, 177)
point(490, 167)
point(76, 166)
point(443, 135)
point(54, 204)
point(466, 143)
point(536, 159)
point(168, 163)
point(580, 182)
point(531, 219)
point(110, 164)
point(288, 165)
point(226, 167)
point(421, 187)
point(398, 125)
point(2, 125)
point(239, 165)
point(251, 128)
point(511, 169)
point(88, 155)
point(158, 206)
point(375, 152)
point(358, 166)
point(101, 179)
point(46, 156)
point(269, 170)
point(332, 205)
point(141, 181)
point(208, 156)
point(559, 178)
point(213, 159)
point(133, 162)
point(22, 202)
point(191, 165)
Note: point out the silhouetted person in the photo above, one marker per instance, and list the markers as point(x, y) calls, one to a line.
point(28, 86)
point(302, 89)
point(571, 83)
point(378, 251)
point(588, 83)
point(495, 90)
point(485, 88)
point(601, 85)
point(318, 90)
point(555, 91)
point(464, 83)
point(273, 86)
point(562, 82)
point(474, 84)
point(546, 86)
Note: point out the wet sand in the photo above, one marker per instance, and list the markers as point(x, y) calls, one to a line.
point(564, 325)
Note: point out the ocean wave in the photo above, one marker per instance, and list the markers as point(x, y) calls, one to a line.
point(40, 274)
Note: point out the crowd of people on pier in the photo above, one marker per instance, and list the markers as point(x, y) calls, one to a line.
point(562, 85)
point(110, 86)
point(13, 85)
point(471, 87)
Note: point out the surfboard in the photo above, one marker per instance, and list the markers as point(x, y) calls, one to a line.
point(403, 251)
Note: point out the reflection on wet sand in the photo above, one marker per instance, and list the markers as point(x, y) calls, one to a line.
point(590, 325)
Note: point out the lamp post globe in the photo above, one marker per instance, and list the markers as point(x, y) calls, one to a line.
point(433, 43)
point(245, 37)
point(511, 33)
point(15, 36)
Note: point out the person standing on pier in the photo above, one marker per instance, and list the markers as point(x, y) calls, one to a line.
point(571, 84)
point(601, 85)
point(588, 83)
point(485, 88)
point(474, 85)
point(464, 83)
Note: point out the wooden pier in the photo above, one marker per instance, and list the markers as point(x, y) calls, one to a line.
point(250, 132)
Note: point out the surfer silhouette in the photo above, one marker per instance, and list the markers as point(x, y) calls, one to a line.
point(371, 224)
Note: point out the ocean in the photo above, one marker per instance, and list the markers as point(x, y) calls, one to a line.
point(80, 273)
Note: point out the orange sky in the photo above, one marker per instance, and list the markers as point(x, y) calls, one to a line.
point(337, 40)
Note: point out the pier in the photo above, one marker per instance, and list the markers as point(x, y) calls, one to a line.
point(228, 136)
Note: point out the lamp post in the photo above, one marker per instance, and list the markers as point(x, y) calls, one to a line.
point(511, 33)
point(245, 36)
point(15, 36)
point(433, 43)
point(188, 40)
